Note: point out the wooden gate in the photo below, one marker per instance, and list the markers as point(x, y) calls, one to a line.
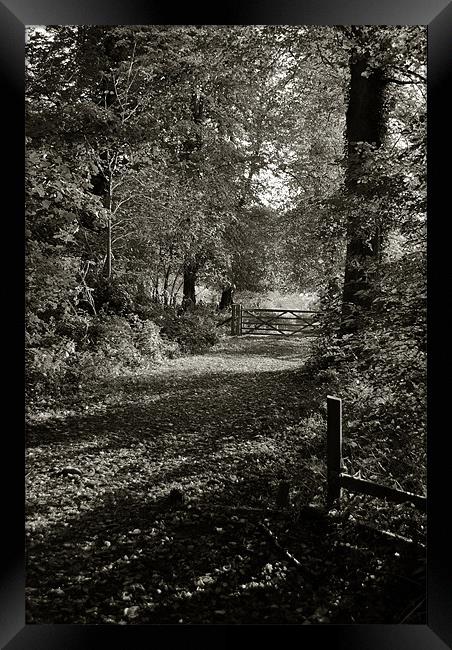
point(274, 322)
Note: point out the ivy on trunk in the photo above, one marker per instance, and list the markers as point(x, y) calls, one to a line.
point(364, 133)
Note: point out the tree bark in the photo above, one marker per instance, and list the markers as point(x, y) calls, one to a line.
point(109, 231)
point(109, 263)
point(364, 125)
point(166, 295)
point(173, 294)
point(226, 297)
point(189, 287)
point(191, 146)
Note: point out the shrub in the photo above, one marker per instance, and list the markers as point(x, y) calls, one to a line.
point(113, 296)
point(380, 375)
point(112, 337)
point(149, 342)
point(66, 355)
point(48, 365)
point(194, 331)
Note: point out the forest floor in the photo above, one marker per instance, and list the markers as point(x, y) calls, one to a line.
point(105, 544)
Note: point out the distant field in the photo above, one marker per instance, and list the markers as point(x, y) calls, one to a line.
point(269, 300)
point(275, 299)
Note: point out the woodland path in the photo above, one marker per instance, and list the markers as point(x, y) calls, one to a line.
point(223, 428)
point(191, 424)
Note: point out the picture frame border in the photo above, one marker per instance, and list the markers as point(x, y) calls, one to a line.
point(15, 15)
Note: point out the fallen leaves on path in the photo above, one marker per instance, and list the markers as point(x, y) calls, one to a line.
point(105, 544)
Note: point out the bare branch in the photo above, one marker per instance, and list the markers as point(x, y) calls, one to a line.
point(412, 73)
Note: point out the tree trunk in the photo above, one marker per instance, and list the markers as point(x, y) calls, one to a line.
point(191, 146)
point(364, 126)
point(108, 262)
point(226, 298)
point(166, 295)
point(173, 288)
point(109, 229)
point(189, 288)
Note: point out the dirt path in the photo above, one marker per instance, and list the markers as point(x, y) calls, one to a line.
point(197, 423)
point(224, 428)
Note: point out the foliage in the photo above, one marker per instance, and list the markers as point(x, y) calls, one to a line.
point(191, 184)
point(380, 374)
point(66, 357)
point(160, 158)
point(194, 331)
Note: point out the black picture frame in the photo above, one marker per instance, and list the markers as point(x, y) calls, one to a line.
point(437, 15)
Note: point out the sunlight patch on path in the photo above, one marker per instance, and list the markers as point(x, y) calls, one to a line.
point(181, 426)
point(244, 355)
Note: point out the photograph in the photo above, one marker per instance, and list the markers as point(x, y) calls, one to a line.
point(225, 324)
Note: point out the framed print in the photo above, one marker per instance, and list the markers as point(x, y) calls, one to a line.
point(191, 178)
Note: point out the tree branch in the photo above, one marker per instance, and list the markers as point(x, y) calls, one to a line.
point(398, 81)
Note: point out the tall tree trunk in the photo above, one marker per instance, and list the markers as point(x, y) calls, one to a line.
point(226, 297)
point(166, 295)
point(193, 144)
point(109, 229)
point(228, 290)
point(109, 265)
point(173, 287)
point(364, 126)
point(189, 288)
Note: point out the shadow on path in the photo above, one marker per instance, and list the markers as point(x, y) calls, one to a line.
point(105, 546)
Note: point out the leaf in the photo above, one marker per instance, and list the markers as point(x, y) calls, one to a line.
point(132, 612)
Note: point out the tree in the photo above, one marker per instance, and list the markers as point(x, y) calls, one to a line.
point(374, 52)
point(186, 160)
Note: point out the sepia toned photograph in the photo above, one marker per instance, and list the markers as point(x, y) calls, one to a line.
point(225, 266)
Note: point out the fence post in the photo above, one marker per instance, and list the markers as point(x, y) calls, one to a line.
point(234, 320)
point(334, 449)
point(239, 320)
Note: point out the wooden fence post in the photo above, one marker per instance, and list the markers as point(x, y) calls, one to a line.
point(334, 449)
point(239, 320)
point(234, 319)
